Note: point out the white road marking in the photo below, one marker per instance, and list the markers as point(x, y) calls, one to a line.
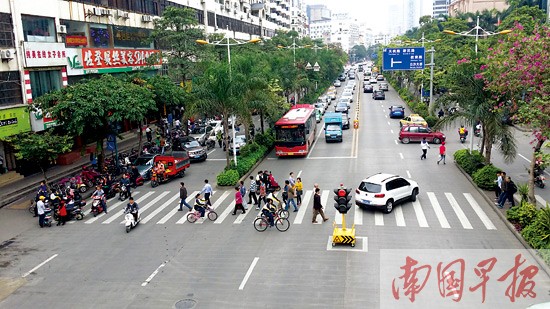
point(378, 218)
point(120, 212)
point(151, 203)
point(395, 141)
point(299, 174)
point(480, 213)
point(248, 273)
point(241, 216)
point(408, 174)
point(401, 155)
point(225, 213)
point(391, 131)
point(420, 217)
point(324, 202)
point(40, 265)
point(459, 213)
point(216, 159)
point(324, 158)
point(302, 211)
point(540, 200)
point(101, 215)
point(358, 217)
point(399, 218)
point(315, 141)
point(211, 152)
point(519, 154)
point(153, 274)
point(389, 123)
point(438, 211)
point(160, 208)
point(175, 209)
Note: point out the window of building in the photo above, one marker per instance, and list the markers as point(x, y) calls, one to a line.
point(38, 29)
point(43, 82)
point(6, 31)
point(10, 88)
point(100, 36)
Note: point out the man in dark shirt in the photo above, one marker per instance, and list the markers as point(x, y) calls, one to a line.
point(317, 207)
point(183, 196)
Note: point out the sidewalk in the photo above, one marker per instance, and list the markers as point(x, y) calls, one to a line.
point(24, 188)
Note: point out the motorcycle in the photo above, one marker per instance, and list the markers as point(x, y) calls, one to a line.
point(97, 208)
point(539, 178)
point(124, 193)
point(477, 132)
point(74, 210)
point(130, 222)
point(90, 176)
point(463, 136)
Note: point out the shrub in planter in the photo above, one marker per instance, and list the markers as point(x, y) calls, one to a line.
point(249, 148)
point(537, 234)
point(523, 214)
point(228, 178)
point(485, 177)
point(267, 139)
point(469, 162)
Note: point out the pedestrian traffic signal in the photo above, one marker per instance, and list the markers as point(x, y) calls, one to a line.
point(342, 199)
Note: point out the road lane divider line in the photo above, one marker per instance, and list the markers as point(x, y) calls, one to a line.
point(480, 213)
point(438, 211)
point(40, 265)
point(160, 208)
point(399, 218)
point(389, 123)
point(175, 209)
point(225, 213)
point(459, 213)
point(248, 273)
point(378, 218)
point(391, 131)
point(358, 216)
point(323, 158)
point(120, 212)
point(153, 274)
point(420, 217)
point(540, 199)
point(299, 174)
point(302, 211)
point(211, 151)
point(316, 139)
point(401, 156)
point(408, 174)
point(151, 203)
point(395, 142)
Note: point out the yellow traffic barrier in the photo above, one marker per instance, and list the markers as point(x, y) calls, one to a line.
point(343, 235)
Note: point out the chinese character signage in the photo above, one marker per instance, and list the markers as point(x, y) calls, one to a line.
point(411, 58)
point(44, 54)
point(131, 37)
point(96, 58)
point(460, 278)
point(76, 40)
point(14, 121)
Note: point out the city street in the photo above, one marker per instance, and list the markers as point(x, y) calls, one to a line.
point(94, 263)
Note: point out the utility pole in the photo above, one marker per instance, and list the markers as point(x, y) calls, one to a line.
point(432, 64)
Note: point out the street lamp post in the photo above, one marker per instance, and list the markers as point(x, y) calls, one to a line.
point(293, 46)
point(227, 41)
point(478, 31)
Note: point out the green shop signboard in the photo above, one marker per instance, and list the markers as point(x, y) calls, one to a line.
point(14, 121)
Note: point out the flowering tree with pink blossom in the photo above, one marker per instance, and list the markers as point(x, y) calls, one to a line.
point(518, 75)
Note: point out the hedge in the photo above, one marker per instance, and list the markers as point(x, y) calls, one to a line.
point(534, 225)
point(249, 155)
point(485, 177)
point(228, 178)
point(469, 162)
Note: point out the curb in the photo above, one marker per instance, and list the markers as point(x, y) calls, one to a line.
point(512, 229)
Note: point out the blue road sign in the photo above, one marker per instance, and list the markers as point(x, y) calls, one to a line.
point(403, 58)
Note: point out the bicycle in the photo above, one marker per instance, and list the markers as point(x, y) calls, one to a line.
point(261, 223)
point(193, 216)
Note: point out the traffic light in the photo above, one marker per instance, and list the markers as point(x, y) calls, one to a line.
point(342, 199)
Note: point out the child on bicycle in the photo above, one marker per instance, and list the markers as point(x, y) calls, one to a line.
point(200, 204)
point(269, 210)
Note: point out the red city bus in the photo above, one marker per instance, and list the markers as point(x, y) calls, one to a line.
point(295, 131)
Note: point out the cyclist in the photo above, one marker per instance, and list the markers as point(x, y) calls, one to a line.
point(271, 197)
point(269, 210)
point(200, 204)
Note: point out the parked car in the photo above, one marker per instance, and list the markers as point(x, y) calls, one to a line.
point(337, 83)
point(413, 119)
point(368, 88)
point(414, 133)
point(397, 111)
point(378, 95)
point(195, 150)
point(239, 142)
point(383, 86)
point(383, 191)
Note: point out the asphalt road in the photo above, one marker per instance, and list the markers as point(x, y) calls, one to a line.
point(227, 264)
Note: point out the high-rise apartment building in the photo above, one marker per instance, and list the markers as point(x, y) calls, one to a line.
point(440, 8)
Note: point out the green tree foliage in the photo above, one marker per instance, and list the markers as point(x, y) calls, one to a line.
point(42, 148)
point(360, 52)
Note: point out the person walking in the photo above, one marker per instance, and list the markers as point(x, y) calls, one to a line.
point(207, 191)
point(291, 194)
point(62, 213)
point(238, 201)
point(442, 151)
point(242, 189)
point(318, 207)
point(252, 191)
point(440, 113)
point(509, 188)
point(149, 134)
point(424, 145)
point(262, 195)
point(41, 210)
point(183, 197)
point(299, 186)
point(503, 191)
point(291, 179)
point(499, 185)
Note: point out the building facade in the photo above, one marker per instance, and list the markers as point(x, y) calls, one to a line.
point(46, 45)
point(472, 6)
point(440, 8)
point(317, 13)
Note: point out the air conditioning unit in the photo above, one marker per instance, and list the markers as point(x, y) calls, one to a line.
point(61, 29)
point(122, 14)
point(97, 11)
point(6, 54)
point(146, 18)
point(105, 12)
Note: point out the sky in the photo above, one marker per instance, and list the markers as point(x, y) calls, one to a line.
point(374, 13)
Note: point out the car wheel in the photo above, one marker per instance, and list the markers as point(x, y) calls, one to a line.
point(414, 194)
point(388, 208)
point(405, 140)
point(437, 141)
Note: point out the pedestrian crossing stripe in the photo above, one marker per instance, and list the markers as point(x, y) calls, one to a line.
point(429, 210)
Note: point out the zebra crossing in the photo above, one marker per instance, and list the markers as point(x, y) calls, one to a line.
point(443, 210)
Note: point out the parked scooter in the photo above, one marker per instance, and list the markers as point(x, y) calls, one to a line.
point(130, 222)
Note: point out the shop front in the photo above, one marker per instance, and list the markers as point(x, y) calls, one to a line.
point(12, 121)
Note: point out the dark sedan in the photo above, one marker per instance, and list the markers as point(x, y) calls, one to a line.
point(368, 89)
point(397, 111)
point(379, 95)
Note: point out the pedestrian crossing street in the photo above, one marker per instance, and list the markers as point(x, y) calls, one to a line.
point(430, 210)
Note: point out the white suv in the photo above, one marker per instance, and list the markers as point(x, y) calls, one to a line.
point(385, 190)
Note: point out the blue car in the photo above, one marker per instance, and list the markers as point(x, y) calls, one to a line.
point(397, 111)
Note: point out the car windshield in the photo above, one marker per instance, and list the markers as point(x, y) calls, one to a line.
point(143, 161)
point(192, 144)
point(333, 127)
point(370, 187)
point(396, 108)
point(342, 104)
point(240, 139)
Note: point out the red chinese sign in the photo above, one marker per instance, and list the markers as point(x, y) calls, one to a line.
point(76, 40)
point(99, 58)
